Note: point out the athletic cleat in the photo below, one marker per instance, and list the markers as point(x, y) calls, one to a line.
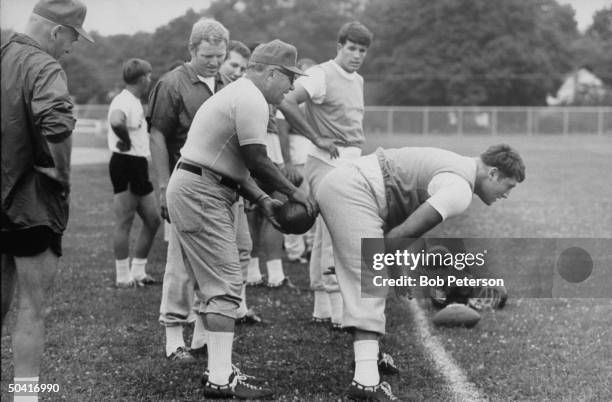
point(255, 283)
point(298, 260)
point(380, 392)
point(237, 387)
point(320, 320)
point(182, 355)
point(386, 365)
point(124, 285)
point(250, 318)
point(199, 352)
point(235, 370)
point(145, 280)
point(336, 326)
point(277, 285)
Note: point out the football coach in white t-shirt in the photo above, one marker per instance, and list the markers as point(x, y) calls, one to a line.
point(225, 145)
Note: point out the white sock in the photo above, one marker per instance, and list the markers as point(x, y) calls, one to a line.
point(366, 362)
point(174, 339)
point(21, 395)
point(220, 356)
point(200, 333)
point(123, 270)
point(253, 272)
point(275, 271)
point(138, 268)
point(335, 300)
point(243, 309)
point(322, 304)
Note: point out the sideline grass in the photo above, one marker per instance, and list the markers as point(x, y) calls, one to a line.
point(106, 344)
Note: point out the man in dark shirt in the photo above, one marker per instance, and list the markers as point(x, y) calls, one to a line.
point(173, 103)
point(37, 122)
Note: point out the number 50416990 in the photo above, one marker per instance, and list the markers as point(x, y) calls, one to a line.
point(33, 388)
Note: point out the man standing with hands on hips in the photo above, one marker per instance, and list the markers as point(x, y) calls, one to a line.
point(37, 122)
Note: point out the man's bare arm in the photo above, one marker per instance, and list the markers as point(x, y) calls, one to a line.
point(291, 110)
point(423, 219)
point(118, 123)
point(263, 169)
point(159, 158)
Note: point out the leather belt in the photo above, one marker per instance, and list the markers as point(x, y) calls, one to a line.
point(198, 170)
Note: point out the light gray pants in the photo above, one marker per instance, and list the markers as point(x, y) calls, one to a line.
point(202, 211)
point(351, 212)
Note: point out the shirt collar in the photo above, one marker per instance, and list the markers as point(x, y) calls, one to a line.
point(25, 40)
point(193, 76)
point(343, 72)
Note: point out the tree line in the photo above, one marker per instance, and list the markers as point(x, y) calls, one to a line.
point(443, 52)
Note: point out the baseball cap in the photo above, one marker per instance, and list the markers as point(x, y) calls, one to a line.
point(70, 13)
point(277, 53)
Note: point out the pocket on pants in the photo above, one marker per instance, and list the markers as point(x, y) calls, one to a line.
point(186, 209)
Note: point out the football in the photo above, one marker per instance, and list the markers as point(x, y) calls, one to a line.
point(293, 218)
point(456, 315)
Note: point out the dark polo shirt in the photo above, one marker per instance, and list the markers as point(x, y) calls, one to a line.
point(173, 103)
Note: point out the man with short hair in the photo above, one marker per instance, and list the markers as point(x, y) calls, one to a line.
point(399, 194)
point(128, 140)
point(37, 122)
point(224, 146)
point(332, 95)
point(173, 103)
point(235, 64)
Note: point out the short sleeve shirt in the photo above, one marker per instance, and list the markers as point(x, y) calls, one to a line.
point(234, 117)
point(131, 106)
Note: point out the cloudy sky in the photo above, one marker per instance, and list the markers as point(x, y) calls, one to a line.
point(110, 17)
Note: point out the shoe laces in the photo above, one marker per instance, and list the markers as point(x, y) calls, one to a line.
point(240, 377)
point(386, 388)
point(387, 359)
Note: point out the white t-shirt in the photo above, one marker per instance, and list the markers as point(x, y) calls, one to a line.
point(233, 117)
point(130, 105)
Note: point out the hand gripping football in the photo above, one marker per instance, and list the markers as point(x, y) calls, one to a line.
point(293, 218)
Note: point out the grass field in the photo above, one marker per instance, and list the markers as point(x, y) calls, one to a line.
point(105, 344)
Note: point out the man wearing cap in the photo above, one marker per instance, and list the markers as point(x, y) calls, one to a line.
point(225, 145)
point(37, 122)
point(173, 103)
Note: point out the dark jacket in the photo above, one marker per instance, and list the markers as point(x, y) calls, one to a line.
point(36, 109)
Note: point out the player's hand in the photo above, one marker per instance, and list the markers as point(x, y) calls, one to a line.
point(268, 205)
point(329, 145)
point(123, 146)
point(292, 174)
point(300, 196)
point(163, 205)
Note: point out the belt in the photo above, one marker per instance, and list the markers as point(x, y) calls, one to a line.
point(198, 170)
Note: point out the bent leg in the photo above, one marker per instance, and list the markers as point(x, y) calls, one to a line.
point(124, 207)
point(148, 212)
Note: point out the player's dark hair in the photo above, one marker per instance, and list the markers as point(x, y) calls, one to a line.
point(356, 32)
point(133, 69)
point(506, 159)
point(240, 48)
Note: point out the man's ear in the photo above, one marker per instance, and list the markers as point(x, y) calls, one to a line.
point(55, 31)
point(493, 173)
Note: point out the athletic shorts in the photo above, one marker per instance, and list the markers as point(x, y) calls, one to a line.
point(130, 172)
point(30, 242)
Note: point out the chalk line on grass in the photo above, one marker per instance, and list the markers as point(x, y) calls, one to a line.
point(456, 380)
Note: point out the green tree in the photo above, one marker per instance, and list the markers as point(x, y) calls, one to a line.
point(470, 52)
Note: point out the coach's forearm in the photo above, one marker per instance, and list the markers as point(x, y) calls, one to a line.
point(159, 157)
point(251, 191)
point(417, 224)
point(263, 169)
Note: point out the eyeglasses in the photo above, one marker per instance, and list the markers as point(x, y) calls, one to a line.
point(291, 76)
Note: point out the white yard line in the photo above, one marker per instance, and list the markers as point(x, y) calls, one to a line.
point(458, 385)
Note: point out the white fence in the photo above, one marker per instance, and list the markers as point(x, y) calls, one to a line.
point(390, 120)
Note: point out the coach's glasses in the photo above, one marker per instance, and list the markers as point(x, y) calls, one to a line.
point(287, 74)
